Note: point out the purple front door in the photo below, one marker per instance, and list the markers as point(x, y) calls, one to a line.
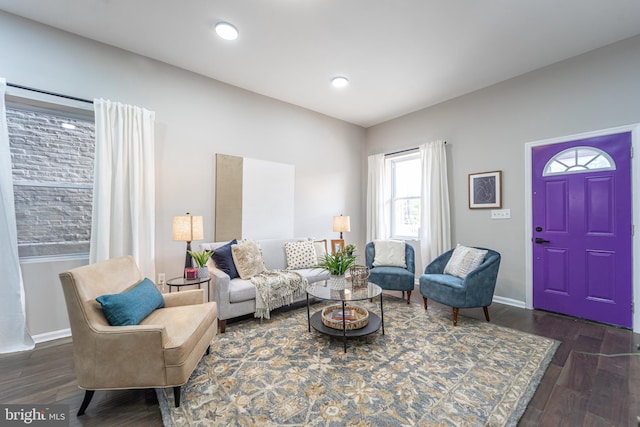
point(582, 228)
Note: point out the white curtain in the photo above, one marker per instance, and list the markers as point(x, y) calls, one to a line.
point(435, 221)
point(124, 185)
point(13, 323)
point(378, 200)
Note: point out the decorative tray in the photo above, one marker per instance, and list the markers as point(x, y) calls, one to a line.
point(356, 317)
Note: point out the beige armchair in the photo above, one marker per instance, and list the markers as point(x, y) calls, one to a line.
point(161, 351)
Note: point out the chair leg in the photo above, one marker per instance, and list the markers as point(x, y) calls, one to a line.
point(176, 395)
point(425, 302)
point(223, 325)
point(88, 395)
point(455, 316)
point(408, 297)
point(486, 313)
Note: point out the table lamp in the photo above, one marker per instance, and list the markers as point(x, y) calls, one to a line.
point(188, 228)
point(341, 224)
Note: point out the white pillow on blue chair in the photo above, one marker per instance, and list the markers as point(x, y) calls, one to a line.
point(464, 260)
point(389, 253)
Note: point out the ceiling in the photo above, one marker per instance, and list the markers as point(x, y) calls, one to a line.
point(399, 55)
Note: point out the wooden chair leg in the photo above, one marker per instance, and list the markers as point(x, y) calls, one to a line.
point(455, 316)
point(223, 325)
point(486, 313)
point(408, 297)
point(176, 395)
point(425, 302)
point(88, 395)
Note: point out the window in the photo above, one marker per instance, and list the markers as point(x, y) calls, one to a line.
point(405, 195)
point(52, 156)
point(577, 160)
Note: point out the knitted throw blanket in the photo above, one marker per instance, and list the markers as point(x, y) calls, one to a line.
point(276, 288)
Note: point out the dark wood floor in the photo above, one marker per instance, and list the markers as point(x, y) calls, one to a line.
point(578, 389)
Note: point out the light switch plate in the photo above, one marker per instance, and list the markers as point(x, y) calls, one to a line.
point(501, 214)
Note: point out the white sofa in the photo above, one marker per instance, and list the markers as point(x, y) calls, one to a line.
point(237, 297)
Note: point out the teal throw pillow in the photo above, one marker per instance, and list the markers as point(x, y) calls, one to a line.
point(132, 306)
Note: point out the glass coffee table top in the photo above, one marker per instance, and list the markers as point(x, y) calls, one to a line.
point(322, 290)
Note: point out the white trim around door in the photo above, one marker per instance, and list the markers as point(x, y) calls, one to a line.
point(635, 184)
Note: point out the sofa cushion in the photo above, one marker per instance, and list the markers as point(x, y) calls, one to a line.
point(132, 306)
point(223, 259)
point(314, 274)
point(248, 258)
point(273, 253)
point(464, 260)
point(241, 290)
point(389, 253)
point(300, 254)
point(184, 326)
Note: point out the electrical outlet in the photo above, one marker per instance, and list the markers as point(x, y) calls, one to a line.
point(501, 214)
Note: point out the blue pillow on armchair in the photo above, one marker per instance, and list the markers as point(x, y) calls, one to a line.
point(132, 306)
point(224, 259)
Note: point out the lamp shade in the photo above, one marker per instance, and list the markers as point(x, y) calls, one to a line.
point(341, 223)
point(187, 228)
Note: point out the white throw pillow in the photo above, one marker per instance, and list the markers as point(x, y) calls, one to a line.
point(389, 253)
point(247, 258)
point(300, 254)
point(464, 260)
point(321, 248)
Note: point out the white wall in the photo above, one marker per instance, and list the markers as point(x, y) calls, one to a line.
point(267, 199)
point(487, 130)
point(196, 118)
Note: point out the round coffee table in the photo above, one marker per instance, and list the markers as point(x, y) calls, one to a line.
point(321, 290)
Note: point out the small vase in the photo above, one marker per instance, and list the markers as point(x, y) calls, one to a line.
point(337, 281)
point(203, 272)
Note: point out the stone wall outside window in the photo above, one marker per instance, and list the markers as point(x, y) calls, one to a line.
point(53, 181)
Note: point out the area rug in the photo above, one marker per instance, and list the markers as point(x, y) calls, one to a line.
point(423, 371)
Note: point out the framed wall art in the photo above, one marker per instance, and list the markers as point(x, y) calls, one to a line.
point(485, 190)
point(337, 245)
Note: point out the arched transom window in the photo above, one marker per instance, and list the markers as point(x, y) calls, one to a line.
point(579, 160)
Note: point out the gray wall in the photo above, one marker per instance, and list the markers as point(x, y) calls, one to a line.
point(487, 131)
point(196, 118)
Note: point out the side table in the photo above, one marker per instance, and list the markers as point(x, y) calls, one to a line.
point(179, 282)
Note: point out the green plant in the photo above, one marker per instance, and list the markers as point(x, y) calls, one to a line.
point(350, 249)
point(337, 264)
point(201, 258)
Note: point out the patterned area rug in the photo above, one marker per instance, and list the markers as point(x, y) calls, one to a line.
point(423, 371)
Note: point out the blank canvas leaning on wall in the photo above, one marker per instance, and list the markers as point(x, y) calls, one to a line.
point(254, 199)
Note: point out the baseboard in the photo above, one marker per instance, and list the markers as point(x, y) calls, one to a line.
point(53, 335)
point(509, 301)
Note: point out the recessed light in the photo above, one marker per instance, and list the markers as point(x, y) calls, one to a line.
point(68, 126)
point(339, 81)
point(226, 31)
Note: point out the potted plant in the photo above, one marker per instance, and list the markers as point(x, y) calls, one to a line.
point(200, 259)
point(350, 249)
point(337, 265)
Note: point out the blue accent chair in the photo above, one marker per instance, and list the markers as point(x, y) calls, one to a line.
point(393, 278)
point(475, 290)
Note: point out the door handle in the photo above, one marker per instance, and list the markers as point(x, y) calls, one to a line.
point(540, 240)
